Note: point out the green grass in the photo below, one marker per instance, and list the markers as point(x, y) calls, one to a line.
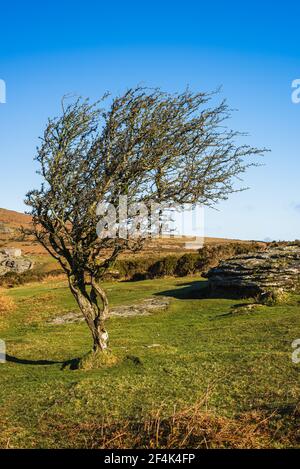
point(240, 361)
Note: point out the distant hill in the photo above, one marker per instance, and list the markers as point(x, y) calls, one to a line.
point(11, 221)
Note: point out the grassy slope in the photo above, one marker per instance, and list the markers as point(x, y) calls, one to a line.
point(240, 361)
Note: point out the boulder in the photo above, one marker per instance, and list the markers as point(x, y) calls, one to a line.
point(11, 260)
point(276, 268)
point(12, 252)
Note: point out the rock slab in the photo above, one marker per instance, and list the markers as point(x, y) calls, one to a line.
point(144, 308)
point(276, 268)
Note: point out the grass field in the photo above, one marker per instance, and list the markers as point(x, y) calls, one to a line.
point(202, 372)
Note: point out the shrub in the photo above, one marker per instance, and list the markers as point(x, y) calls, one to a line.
point(13, 279)
point(211, 254)
point(188, 264)
point(164, 267)
point(130, 269)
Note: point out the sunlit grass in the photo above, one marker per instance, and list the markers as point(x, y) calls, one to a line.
point(241, 361)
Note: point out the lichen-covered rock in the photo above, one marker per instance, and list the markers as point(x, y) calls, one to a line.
point(11, 263)
point(276, 268)
point(143, 308)
point(12, 252)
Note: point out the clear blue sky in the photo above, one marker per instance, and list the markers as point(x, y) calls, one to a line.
point(51, 48)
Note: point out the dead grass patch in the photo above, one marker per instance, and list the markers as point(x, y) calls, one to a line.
point(7, 304)
point(189, 428)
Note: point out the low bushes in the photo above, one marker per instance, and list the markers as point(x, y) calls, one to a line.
point(211, 254)
point(141, 268)
point(191, 263)
point(133, 268)
point(188, 264)
point(165, 267)
point(13, 279)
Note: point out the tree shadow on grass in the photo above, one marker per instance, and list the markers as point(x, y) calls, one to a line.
point(287, 409)
point(200, 290)
point(71, 364)
point(24, 361)
point(189, 291)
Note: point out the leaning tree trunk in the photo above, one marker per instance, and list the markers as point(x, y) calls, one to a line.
point(94, 315)
point(101, 334)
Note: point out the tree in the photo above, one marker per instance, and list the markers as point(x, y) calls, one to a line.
point(150, 146)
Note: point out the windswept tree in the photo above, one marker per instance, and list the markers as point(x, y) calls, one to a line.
point(147, 145)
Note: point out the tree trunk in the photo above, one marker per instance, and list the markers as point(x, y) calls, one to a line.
point(100, 336)
point(94, 315)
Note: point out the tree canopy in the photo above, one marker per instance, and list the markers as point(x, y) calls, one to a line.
point(147, 145)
